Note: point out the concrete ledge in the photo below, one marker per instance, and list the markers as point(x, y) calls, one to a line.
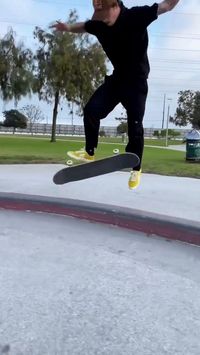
point(148, 223)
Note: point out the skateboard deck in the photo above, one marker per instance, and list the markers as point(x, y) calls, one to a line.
point(96, 168)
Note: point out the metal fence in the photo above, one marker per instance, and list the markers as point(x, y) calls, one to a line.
point(77, 130)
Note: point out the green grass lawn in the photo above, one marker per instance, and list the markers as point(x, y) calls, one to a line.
point(17, 149)
point(110, 140)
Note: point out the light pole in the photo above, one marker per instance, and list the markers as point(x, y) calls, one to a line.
point(163, 118)
point(167, 128)
point(72, 113)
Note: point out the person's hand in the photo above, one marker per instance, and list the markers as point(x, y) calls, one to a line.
point(60, 26)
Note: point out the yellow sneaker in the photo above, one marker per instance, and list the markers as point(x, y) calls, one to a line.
point(81, 155)
point(134, 179)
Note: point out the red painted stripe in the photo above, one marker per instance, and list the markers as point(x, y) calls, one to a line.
point(148, 226)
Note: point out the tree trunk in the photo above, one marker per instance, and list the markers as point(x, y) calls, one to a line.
point(55, 113)
point(31, 128)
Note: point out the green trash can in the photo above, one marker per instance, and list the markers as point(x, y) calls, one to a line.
point(193, 146)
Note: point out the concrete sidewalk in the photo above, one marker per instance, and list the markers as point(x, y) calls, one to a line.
point(169, 196)
point(180, 148)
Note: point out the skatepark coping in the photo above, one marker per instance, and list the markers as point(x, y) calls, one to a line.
point(171, 228)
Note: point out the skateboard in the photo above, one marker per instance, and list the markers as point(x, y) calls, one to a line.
point(96, 168)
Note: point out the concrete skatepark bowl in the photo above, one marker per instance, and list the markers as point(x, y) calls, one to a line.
point(73, 285)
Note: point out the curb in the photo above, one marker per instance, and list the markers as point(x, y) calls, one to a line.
point(136, 220)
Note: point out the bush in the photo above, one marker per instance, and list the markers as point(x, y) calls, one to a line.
point(102, 133)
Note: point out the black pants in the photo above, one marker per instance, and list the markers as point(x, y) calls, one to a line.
point(132, 95)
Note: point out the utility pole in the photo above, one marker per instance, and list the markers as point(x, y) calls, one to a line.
point(167, 128)
point(72, 113)
point(163, 119)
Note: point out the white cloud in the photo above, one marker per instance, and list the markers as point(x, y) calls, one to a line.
point(171, 70)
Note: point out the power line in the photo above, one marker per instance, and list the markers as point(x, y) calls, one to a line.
point(153, 60)
point(175, 49)
point(176, 61)
point(173, 36)
point(157, 34)
point(177, 79)
point(164, 34)
point(173, 84)
point(59, 2)
point(22, 23)
point(183, 70)
point(185, 13)
point(151, 48)
point(63, 3)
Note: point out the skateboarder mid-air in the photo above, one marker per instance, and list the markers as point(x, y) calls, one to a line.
point(122, 32)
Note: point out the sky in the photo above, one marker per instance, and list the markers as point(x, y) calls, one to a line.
point(174, 51)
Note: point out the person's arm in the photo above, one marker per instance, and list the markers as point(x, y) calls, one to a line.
point(78, 27)
point(93, 27)
point(166, 6)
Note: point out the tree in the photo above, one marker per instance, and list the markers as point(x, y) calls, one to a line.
point(188, 110)
point(53, 67)
point(67, 66)
point(196, 112)
point(33, 114)
point(15, 68)
point(157, 133)
point(89, 69)
point(122, 128)
point(172, 133)
point(102, 133)
point(162, 133)
point(15, 119)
